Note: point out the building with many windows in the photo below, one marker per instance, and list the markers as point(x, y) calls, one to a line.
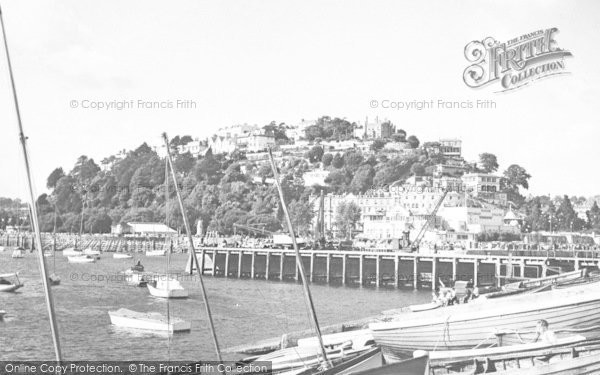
point(451, 147)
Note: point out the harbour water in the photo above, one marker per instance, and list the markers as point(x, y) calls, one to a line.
point(243, 310)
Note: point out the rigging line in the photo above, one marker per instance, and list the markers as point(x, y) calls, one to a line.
point(326, 364)
point(193, 257)
point(35, 223)
point(168, 250)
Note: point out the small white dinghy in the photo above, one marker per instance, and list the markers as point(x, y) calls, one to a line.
point(2, 313)
point(71, 252)
point(47, 253)
point(18, 253)
point(165, 287)
point(9, 286)
point(156, 253)
point(1, 249)
point(122, 256)
point(90, 251)
point(82, 259)
point(149, 321)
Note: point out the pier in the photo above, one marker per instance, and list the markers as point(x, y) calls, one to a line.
point(365, 267)
point(393, 269)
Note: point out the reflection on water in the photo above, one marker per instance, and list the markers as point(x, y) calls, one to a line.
point(243, 310)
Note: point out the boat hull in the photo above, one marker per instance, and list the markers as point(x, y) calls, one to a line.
point(81, 259)
point(466, 326)
point(71, 252)
point(167, 293)
point(156, 253)
point(8, 288)
point(150, 322)
point(121, 256)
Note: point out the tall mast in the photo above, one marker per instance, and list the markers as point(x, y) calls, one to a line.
point(299, 264)
point(34, 216)
point(199, 268)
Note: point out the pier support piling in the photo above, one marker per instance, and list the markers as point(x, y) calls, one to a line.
point(397, 271)
point(360, 270)
point(267, 263)
point(227, 263)
point(415, 273)
point(377, 271)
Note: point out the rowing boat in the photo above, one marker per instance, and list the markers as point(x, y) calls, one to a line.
point(466, 326)
point(148, 321)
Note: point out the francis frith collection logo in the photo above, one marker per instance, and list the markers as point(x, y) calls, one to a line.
point(515, 63)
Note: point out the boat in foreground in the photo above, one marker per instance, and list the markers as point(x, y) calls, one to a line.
point(10, 286)
point(18, 253)
point(467, 325)
point(166, 288)
point(81, 259)
point(148, 321)
point(305, 360)
point(367, 362)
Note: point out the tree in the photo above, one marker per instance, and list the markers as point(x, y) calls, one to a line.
point(338, 180)
point(413, 141)
point(567, 217)
point(347, 215)
point(391, 171)
point(400, 135)
point(377, 145)
point(352, 159)
point(326, 160)
point(338, 161)
point(301, 215)
point(315, 154)
point(515, 177)
point(488, 162)
point(208, 169)
point(363, 179)
point(53, 178)
point(593, 216)
point(417, 169)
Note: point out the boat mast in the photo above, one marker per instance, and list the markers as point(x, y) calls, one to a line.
point(35, 223)
point(299, 264)
point(192, 251)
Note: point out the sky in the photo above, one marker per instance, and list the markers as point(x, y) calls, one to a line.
point(258, 61)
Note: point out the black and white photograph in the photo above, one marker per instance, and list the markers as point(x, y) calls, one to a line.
point(299, 187)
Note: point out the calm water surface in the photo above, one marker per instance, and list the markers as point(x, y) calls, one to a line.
point(243, 310)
